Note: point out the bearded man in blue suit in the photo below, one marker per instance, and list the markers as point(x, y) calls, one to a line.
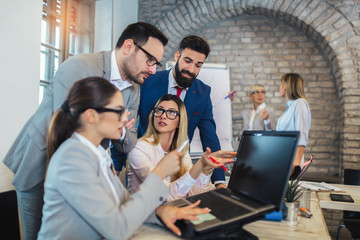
point(181, 80)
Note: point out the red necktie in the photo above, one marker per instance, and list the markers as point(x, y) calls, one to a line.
point(178, 91)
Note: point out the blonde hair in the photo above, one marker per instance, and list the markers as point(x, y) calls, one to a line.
point(180, 132)
point(255, 87)
point(294, 86)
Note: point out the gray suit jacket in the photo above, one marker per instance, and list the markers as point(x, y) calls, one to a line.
point(79, 203)
point(27, 156)
point(258, 123)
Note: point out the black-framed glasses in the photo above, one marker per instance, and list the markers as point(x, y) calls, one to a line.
point(170, 114)
point(119, 111)
point(151, 61)
point(257, 92)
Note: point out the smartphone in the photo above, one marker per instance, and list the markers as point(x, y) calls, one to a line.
point(341, 197)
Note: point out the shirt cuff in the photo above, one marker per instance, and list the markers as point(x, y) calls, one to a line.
point(267, 121)
point(219, 182)
point(203, 180)
point(123, 134)
point(185, 183)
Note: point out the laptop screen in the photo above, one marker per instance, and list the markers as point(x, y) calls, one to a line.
point(263, 165)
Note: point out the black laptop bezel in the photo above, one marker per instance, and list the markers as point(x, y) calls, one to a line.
point(295, 134)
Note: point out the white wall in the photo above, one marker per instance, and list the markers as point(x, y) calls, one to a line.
point(125, 12)
point(103, 26)
point(20, 26)
point(111, 18)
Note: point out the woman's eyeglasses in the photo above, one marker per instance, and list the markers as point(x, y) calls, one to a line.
point(151, 61)
point(258, 92)
point(119, 111)
point(170, 114)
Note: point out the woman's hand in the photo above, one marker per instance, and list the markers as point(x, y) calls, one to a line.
point(222, 157)
point(264, 114)
point(168, 165)
point(170, 214)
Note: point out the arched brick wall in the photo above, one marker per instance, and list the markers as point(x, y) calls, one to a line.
point(329, 28)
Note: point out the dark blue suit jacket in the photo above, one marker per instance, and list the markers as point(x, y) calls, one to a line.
point(198, 107)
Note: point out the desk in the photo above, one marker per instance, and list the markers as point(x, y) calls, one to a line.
point(353, 190)
point(306, 228)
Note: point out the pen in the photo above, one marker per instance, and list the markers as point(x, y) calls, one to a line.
point(232, 93)
point(182, 145)
point(212, 159)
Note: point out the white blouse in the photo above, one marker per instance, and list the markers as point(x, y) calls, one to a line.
point(143, 159)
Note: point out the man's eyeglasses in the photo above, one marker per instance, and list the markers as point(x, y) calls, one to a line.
point(170, 114)
point(119, 111)
point(151, 61)
point(258, 92)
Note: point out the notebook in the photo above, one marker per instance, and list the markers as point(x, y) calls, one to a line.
point(257, 183)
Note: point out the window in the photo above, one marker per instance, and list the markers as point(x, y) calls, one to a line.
point(67, 29)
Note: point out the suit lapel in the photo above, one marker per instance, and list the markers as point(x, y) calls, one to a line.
point(190, 97)
point(106, 65)
point(163, 85)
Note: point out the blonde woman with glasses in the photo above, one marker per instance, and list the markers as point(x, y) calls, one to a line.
point(261, 116)
point(167, 130)
point(297, 116)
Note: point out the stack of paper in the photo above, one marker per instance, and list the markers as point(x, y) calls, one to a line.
point(316, 186)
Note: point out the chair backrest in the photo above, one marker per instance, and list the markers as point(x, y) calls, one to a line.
point(9, 218)
point(352, 177)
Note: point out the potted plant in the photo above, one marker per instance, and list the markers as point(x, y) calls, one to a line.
point(292, 194)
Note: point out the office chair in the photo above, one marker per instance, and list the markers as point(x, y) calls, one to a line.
point(9, 223)
point(351, 219)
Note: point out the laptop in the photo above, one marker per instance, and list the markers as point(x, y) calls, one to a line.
point(257, 183)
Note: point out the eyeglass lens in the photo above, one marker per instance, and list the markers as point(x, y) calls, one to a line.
point(170, 114)
point(257, 92)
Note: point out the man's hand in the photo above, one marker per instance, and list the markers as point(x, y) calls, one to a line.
point(129, 123)
point(170, 214)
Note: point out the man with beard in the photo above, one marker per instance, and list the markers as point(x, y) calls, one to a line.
point(181, 81)
point(138, 52)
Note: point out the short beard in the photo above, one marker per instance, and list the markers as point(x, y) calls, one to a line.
point(183, 81)
point(127, 64)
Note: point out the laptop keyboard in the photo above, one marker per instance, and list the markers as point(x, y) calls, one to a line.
point(220, 208)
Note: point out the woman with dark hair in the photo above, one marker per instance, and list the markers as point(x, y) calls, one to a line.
point(83, 198)
point(167, 130)
point(297, 116)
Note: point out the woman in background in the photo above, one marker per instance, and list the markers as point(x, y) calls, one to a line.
point(261, 116)
point(297, 116)
point(167, 130)
point(83, 198)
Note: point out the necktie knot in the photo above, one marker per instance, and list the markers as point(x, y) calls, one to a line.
point(178, 91)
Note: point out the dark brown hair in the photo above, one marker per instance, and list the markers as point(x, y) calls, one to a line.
point(92, 92)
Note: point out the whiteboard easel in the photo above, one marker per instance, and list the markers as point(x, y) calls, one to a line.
point(217, 76)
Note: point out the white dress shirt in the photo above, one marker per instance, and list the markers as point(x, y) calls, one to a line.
point(172, 86)
point(104, 161)
point(143, 159)
point(120, 84)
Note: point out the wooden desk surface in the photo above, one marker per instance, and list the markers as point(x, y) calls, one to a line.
point(306, 228)
point(354, 191)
